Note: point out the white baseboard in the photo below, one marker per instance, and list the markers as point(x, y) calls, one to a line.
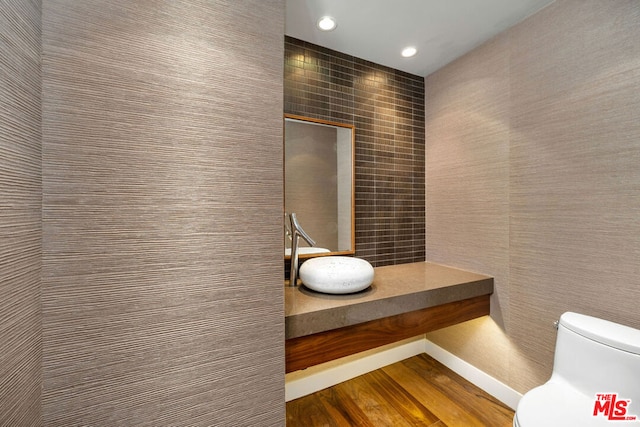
point(316, 378)
point(495, 388)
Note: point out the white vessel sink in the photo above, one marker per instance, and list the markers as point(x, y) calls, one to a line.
point(336, 274)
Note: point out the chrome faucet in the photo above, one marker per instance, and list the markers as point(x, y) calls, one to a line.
point(296, 233)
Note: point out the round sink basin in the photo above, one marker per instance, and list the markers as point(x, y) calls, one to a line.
point(336, 274)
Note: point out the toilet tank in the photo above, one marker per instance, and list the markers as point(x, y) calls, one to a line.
point(595, 356)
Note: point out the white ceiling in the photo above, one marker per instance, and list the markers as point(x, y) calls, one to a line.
point(377, 30)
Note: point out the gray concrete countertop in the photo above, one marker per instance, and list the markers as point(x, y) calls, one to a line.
point(396, 289)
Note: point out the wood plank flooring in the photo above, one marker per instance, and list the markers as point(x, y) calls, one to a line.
point(418, 391)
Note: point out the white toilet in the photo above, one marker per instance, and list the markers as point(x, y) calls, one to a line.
point(595, 379)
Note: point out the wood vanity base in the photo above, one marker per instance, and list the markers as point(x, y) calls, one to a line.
point(309, 350)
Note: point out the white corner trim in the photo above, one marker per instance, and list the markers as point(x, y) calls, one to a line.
point(494, 387)
point(316, 378)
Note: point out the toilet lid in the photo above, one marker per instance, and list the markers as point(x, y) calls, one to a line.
point(557, 405)
point(605, 332)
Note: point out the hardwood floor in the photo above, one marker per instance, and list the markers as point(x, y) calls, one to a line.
point(418, 391)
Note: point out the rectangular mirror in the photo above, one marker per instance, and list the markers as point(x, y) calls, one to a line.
point(319, 183)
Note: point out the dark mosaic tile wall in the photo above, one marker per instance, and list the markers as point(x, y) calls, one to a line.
point(387, 108)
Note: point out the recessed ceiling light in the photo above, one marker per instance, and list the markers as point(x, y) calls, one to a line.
point(327, 23)
point(408, 52)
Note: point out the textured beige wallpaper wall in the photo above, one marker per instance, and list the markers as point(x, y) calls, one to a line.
point(533, 147)
point(162, 298)
point(20, 210)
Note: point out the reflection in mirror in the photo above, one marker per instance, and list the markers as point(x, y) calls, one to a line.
point(319, 183)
